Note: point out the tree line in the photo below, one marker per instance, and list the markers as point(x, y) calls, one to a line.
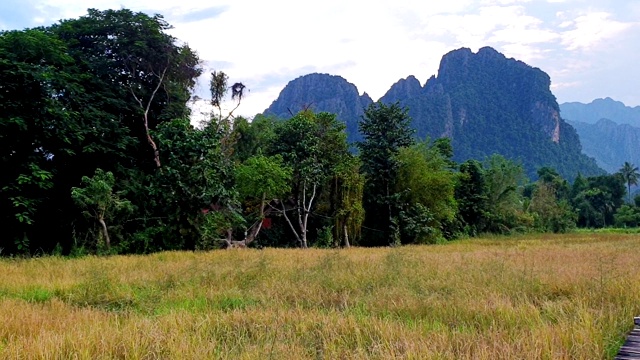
point(99, 156)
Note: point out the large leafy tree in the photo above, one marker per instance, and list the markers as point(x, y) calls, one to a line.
point(550, 213)
point(385, 130)
point(630, 175)
point(192, 203)
point(131, 70)
point(313, 145)
point(27, 60)
point(597, 198)
point(80, 95)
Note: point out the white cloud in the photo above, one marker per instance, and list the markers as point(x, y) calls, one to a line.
point(591, 29)
point(265, 44)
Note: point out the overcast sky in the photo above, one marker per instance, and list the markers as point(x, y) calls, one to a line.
point(590, 48)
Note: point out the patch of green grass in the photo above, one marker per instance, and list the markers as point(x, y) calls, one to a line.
point(37, 295)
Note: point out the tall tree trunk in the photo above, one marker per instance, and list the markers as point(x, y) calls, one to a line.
point(156, 153)
point(105, 232)
point(307, 210)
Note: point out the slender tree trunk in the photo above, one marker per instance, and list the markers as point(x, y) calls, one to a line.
point(346, 237)
point(284, 212)
point(105, 232)
point(156, 153)
point(307, 210)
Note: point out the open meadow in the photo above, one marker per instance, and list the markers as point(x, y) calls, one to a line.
point(533, 297)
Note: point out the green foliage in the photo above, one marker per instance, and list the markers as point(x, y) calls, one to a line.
point(627, 216)
point(73, 99)
point(418, 225)
point(261, 180)
point(550, 214)
point(253, 138)
point(195, 176)
point(89, 107)
point(471, 197)
point(100, 203)
point(426, 188)
point(597, 198)
point(263, 176)
point(325, 237)
point(385, 130)
point(314, 145)
point(503, 179)
point(349, 213)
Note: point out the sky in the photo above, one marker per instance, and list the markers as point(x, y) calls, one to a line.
point(590, 48)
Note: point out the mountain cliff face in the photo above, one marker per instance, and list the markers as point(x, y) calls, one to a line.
point(323, 92)
point(483, 101)
point(601, 109)
point(611, 144)
point(489, 104)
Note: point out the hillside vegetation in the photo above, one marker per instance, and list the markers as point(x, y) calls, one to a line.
point(551, 297)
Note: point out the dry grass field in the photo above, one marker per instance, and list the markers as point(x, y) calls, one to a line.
point(534, 297)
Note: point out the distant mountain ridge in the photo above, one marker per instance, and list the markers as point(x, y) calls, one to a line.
point(323, 92)
point(608, 129)
point(611, 144)
point(483, 101)
point(606, 108)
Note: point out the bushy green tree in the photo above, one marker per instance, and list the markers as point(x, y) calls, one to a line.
point(313, 145)
point(627, 216)
point(426, 188)
point(100, 203)
point(253, 137)
point(385, 130)
point(194, 197)
point(597, 199)
point(503, 179)
point(471, 197)
point(551, 213)
point(262, 180)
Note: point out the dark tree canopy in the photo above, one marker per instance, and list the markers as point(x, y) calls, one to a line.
point(385, 130)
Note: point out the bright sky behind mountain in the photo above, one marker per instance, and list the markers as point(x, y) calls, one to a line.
point(590, 48)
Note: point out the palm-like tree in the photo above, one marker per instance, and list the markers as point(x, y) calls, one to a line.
point(630, 175)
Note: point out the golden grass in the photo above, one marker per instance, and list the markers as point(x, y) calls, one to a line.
point(545, 297)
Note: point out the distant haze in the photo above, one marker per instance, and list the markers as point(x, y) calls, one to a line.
point(601, 109)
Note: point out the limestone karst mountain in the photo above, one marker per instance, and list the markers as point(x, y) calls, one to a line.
point(483, 101)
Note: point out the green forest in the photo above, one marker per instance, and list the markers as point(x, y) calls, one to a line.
point(99, 156)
